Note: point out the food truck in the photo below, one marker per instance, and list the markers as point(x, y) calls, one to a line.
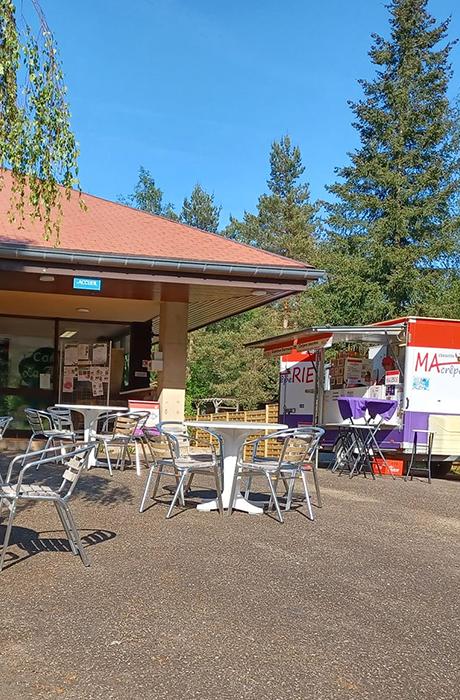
point(412, 360)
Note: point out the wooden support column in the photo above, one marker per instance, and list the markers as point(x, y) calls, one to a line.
point(173, 345)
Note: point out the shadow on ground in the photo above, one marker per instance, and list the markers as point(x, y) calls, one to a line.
point(32, 542)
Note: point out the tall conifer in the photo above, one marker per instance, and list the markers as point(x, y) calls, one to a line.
point(285, 221)
point(392, 223)
point(200, 210)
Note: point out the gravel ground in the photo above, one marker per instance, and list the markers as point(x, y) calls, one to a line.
point(361, 603)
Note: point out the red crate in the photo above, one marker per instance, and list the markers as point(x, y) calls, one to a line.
point(395, 466)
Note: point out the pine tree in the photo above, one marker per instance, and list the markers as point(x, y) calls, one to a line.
point(392, 223)
point(148, 197)
point(285, 222)
point(200, 210)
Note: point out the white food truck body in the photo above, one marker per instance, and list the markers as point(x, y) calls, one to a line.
point(424, 379)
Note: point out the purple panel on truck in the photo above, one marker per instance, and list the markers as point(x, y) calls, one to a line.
point(293, 420)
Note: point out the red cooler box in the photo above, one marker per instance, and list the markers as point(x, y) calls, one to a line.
point(395, 466)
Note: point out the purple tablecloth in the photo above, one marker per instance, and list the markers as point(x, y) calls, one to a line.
point(356, 407)
point(149, 432)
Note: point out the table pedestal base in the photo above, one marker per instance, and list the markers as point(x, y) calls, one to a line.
point(233, 434)
point(239, 504)
point(232, 440)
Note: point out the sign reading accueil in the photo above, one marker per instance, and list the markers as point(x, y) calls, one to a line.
point(88, 284)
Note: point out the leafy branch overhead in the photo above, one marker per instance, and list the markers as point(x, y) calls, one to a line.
point(36, 142)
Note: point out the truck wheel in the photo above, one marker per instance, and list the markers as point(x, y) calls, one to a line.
point(440, 469)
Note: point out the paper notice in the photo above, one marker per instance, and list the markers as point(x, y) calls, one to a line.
point(45, 381)
point(67, 384)
point(99, 353)
point(84, 374)
point(105, 376)
point(70, 354)
point(96, 373)
point(83, 351)
point(98, 389)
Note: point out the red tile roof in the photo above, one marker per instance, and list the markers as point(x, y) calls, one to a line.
point(108, 227)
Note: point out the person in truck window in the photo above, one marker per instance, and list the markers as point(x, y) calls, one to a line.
point(388, 364)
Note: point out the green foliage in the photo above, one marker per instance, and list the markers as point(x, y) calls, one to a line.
point(148, 197)
point(285, 224)
point(200, 210)
point(219, 365)
point(286, 221)
point(393, 223)
point(36, 142)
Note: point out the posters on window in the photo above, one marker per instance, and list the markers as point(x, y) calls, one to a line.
point(45, 381)
point(84, 374)
point(67, 381)
point(85, 370)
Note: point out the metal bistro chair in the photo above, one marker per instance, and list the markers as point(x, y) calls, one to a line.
point(314, 435)
point(257, 446)
point(118, 430)
point(190, 445)
point(62, 420)
point(311, 433)
point(4, 423)
point(12, 494)
point(422, 449)
point(296, 452)
point(177, 460)
point(43, 426)
point(141, 438)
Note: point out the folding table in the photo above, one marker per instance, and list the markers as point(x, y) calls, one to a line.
point(358, 439)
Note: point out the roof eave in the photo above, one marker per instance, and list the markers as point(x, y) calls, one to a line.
point(295, 336)
point(184, 266)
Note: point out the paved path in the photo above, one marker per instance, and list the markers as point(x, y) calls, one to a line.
point(363, 603)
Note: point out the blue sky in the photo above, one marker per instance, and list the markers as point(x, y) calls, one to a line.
point(196, 90)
